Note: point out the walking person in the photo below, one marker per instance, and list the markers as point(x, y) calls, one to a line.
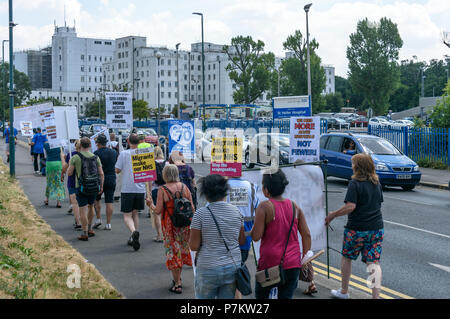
point(186, 173)
point(37, 144)
point(32, 147)
point(108, 158)
point(53, 171)
point(7, 134)
point(176, 239)
point(364, 230)
point(242, 194)
point(160, 163)
point(89, 178)
point(132, 196)
point(212, 226)
point(276, 223)
point(71, 188)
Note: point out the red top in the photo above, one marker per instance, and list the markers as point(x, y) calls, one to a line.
point(274, 239)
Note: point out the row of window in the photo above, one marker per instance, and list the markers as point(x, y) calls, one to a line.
point(100, 58)
point(90, 79)
point(100, 42)
point(99, 69)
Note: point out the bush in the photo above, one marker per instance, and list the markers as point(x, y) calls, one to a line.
point(430, 164)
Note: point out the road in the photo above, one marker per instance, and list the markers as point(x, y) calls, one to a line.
point(416, 236)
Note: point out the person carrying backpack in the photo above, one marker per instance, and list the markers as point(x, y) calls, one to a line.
point(89, 178)
point(174, 204)
point(186, 173)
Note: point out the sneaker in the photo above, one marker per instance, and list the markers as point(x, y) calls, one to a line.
point(97, 224)
point(83, 238)
point(107, 227)
point(70, 209)
point(76, 227)
point(135, 240)
point(338, 294)
point(130, 241)
point(36, 173)
point(91, 233)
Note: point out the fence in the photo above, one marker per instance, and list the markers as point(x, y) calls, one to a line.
point(432, 144)
point(282, 125)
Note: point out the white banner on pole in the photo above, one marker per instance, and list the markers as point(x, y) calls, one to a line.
point(119, 110)
point(30, 114)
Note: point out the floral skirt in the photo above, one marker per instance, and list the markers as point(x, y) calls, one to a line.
point(176, 245)
point(55, 188)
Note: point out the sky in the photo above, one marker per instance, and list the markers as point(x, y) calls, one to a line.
point(168, 22)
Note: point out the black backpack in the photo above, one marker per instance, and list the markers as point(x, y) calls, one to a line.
point(159, 178)
point(182, 211)
point(88, 179)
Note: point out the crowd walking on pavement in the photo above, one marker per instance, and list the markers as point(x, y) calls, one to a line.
point(221, 233)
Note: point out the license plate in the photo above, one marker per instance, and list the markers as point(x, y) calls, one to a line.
point(403, 176)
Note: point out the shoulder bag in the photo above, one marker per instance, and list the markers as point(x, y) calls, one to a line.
point(273, 276)
point(242, 275)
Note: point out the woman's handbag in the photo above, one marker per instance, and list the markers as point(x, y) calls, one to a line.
point(274, 276)
point(242, 274)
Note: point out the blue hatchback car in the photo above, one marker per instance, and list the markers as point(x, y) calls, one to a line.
point(392, 166)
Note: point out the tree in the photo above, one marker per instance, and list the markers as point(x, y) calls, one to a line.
point(250, 68)
point(153, 112)
point(334, 102)
point(373, 69)
point(175, 109)
point(140, 109)
point(294, 75)
point(440, 117)
point(55, 101)
point(22, 88)
point(91, 109)
point(342, 85)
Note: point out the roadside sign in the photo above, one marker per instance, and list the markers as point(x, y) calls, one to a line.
point(289, 106)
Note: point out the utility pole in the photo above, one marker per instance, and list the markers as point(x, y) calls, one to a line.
point(12, 160)
point(158, 56)
point(4, 82)
point(308, 56)
point(178, 84)
point(203, 72)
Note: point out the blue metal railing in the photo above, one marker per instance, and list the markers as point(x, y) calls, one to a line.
point(432, 144)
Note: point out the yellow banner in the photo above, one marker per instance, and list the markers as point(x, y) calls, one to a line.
point(226, 150)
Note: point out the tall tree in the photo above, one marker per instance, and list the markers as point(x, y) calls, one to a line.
point(22, 88)
point(294, 75)
point(250, 68)
point(91, 109)
point(373, 55)
point(440, 117)
point(334, 102)
point(343, 86)
point(140, 109)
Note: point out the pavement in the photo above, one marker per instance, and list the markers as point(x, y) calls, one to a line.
point(437, 178)
point(140, 274)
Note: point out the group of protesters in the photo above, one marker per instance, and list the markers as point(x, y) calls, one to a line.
point(219, 233)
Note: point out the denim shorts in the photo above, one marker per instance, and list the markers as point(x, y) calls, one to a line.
point(215, 283)
point(285, 291)
point(368, 243)
point(72, 190)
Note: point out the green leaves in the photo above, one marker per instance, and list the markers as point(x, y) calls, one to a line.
point(140, 109)
point(373, 55)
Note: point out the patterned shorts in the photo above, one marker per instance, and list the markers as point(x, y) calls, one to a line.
point(369, 242)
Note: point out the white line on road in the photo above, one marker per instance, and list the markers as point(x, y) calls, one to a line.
point(419, 229)
point(445, 268)
point(407, 200)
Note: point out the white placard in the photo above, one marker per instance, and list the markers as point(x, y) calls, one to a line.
point(49, 123)
point(30, 114)
point(304, 139)
point(67, 122)
point(119, 110)
point(26, 127)
point(93, 137)
point(306, 185)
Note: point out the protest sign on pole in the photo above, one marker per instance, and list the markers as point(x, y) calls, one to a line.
point(49, 123)
point(26, 127)
point(182, 138)
point(143, 165)
point(30, 114)
point(226, 156)
point(304, 139)
point(119, 110)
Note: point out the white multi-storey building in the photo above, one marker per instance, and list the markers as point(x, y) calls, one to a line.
point(77, 62)
point(330, 78)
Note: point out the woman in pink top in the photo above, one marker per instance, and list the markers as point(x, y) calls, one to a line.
point(272, 221)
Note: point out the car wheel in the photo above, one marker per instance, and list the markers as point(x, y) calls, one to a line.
point(408, 187)
point(247, 161)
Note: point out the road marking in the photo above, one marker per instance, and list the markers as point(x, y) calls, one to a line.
point(409, 201)
point(444, 268)
point(419, 229)
point(392, 292)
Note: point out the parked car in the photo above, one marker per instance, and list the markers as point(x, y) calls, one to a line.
point(84, 131)
point(360, 121)
point(259, 148)
point(93, 129)
point(150, 135)
point(378, 122)
point(337, 123)
point(392, 166)
point(402, 123)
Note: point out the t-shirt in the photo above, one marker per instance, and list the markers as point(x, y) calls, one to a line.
point(6, 133)
point(71, 179)
point(108, 157)
point(128, 185)
point(187, 174)
point(368, 198)
point(75, 161)
point(240, 195)
point(39, 141)
point(213, 252)
point(52, 154)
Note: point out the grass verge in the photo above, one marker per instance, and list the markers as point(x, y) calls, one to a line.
point(35, 262)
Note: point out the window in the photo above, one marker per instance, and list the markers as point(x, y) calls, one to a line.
point(148, 95)
point(162, 61)
point(209, 67)
point(108, 43)
point(169, 62)
point(89, 59)
point(334, 143)
point(185, 66)
point(126, 54)
point(95, 69)
point(148, 85)
point(192, 87)
point(162, 94)
point(82, 79)
point(142, 63)
point(162, 72)
point(70, 99)
point(98, 42)
point(185, 77)
point(162, 84)
point(82, 57)
point(137, 64)
point(185, 87)
point(185, 97)
point(214, 66)
point(214, 76)
point(192, 68)
point(95, 58)
point(209, 76)
point(214, 86)
point(169, 95)
point(198, 58)
point(169, 84)
point(198, 67)
point(169, 73)
point(148, 73)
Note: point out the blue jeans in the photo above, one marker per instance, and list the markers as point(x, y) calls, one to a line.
point(215, 283)
point(285, 291)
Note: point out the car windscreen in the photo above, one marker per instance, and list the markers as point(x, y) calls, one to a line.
point(283, 139)
point(378, 146)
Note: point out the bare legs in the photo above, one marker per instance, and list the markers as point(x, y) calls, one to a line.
point(131, 220)
point(75, 208)
point(346, 271)
point(176, 274)
point(157, 221)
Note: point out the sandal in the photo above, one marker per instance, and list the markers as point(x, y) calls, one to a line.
point(156, 240)
point(310, 290)
point(46, 202)
point(175, 289)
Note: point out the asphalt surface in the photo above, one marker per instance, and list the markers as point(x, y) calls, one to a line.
point(416, 236)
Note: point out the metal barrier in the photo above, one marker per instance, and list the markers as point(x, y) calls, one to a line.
point(432, 144)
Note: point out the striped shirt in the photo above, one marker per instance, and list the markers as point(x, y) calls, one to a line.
point(213, 252)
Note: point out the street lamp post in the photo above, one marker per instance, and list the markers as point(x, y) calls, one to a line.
point(12, 168)
point(4, 80)
point(178, 84)
point(158, 56)
point(306, 8)
point(218, 60)
point(203, 72)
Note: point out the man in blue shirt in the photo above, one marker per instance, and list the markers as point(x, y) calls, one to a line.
point(37, 143)
point(6, 133)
